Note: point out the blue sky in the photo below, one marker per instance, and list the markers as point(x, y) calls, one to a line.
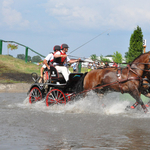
point(41, 24)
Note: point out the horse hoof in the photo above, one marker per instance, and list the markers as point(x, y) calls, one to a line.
point(132, 107)
point(147, 105)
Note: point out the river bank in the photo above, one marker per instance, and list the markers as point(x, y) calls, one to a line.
point(15, 88)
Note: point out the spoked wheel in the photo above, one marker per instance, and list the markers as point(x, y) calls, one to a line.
point(55, 96)
point(35, 95)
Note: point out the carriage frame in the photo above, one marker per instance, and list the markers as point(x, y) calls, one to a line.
point(55, 90)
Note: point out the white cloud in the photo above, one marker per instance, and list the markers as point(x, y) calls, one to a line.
point(11, 16)
point(124, 14)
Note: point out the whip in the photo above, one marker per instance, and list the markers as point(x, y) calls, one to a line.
point(88, 41)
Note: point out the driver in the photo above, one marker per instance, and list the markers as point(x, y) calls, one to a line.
point(47, 61)
point(60, 57)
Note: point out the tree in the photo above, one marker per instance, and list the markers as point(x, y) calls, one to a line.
point(136, 45)
point(29, 58)
point(36, 58)
point(12, 47)
point(117, 57)
point(126, 55)
point(93, 57)
point(21, 56)
point(104, 59)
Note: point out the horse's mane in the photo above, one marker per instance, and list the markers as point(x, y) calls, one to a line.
point(138, 57)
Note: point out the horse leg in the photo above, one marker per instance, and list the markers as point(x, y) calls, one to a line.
point(147, 95)
point(134, 105)
point(136, 95)
point(148, 104)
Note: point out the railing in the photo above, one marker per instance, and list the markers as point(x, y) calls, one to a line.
point(26, 49)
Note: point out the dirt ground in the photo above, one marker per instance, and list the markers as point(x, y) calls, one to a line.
point(24, 85)
point(20, 77)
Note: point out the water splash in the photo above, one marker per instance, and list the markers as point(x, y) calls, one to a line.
point(91, 104)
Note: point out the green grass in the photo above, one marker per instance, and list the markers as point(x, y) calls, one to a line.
point(10, 64)
point(10, 81)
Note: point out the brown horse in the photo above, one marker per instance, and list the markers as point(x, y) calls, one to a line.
point(125, 80)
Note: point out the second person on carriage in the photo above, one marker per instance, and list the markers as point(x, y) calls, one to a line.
point(60, 57)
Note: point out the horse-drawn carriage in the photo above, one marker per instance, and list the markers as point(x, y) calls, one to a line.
point(55, 90)
point(133, 79)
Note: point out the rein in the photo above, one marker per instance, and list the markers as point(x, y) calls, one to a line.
point(115, 82)
point(119, 81)
point(142, 64)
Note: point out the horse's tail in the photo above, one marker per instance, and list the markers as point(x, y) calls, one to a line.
point(79, 86)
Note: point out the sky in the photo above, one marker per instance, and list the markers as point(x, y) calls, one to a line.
point(42, 24)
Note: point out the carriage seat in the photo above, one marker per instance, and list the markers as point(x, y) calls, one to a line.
point(56, 76)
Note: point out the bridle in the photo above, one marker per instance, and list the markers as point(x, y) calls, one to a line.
point(139, 77)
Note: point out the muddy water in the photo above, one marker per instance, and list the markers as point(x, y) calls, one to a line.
point(80, 125)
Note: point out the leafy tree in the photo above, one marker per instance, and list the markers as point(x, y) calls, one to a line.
point(117, 57)
point(136, 45)
point(104, 59)
point(101, 57)
point(12, 47)
point(126, 55)
point(29, 58)
point(21, 56)
point(36, 58)
point(93, 57)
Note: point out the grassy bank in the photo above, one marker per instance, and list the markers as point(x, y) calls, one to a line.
point(11, 64)
point(13, 70)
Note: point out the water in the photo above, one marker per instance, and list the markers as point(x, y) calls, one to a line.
point(80, 125)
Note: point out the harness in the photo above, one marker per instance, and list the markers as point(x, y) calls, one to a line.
point(120, 80)
point(60, 60)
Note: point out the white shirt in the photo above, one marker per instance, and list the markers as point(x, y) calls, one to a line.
point(49, 57)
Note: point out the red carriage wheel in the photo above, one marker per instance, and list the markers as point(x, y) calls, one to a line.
point(35, 95)
point(55, 96)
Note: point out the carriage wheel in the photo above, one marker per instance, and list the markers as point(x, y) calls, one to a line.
point(55, 96)
point(35, 95)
